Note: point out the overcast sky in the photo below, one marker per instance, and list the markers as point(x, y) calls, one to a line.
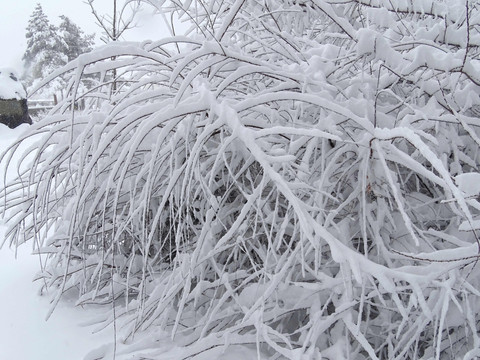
point(14, 16)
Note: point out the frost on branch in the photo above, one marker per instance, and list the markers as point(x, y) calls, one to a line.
point(291, 176)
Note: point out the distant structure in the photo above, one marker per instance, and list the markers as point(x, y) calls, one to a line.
point(13, 100)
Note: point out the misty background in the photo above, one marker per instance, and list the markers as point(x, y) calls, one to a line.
point(15, 16)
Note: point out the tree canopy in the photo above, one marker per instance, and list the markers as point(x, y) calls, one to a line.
point(74, 41)
point(50, 47)
point(42, 54)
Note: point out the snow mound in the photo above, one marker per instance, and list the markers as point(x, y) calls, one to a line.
point(10, 87)
point(469, 183)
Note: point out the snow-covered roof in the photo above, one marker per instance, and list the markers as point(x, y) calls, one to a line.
point(10, 86)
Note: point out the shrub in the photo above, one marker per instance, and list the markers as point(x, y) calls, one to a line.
point(294, 176)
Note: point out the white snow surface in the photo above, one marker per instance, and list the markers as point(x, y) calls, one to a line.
point(469, 183)
point(24, 332)
point(10, 86)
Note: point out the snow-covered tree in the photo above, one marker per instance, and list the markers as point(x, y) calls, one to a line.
point(50, 47)
point(73, 40)
point(42, 54)
point(295, 177)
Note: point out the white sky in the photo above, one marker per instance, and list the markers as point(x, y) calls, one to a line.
point(14, 16)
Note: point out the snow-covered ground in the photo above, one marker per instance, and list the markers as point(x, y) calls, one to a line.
point(24, 332)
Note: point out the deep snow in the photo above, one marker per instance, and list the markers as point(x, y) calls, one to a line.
point(24, 332)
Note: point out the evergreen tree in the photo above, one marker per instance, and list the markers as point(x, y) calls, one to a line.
point(73, 40)
point(43, 43)
point(50, 47)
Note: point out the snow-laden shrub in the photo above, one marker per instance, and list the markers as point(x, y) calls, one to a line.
point(295, 176)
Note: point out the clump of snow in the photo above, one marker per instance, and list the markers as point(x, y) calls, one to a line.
point(366, 41)
point(10, 86)
point(469, 183)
